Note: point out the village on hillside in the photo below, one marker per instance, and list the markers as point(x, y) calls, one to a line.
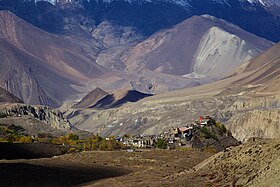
point(175, 137)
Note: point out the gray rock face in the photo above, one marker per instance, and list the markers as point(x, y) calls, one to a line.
point(51, 117)
point(255, 117)
point(214, 138)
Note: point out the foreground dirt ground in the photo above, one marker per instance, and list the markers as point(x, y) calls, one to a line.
point(254, 164)
point(117, 168)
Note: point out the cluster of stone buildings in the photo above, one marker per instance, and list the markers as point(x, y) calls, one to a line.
point(177, 136)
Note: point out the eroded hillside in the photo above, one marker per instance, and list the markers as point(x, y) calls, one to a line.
point(247, 101)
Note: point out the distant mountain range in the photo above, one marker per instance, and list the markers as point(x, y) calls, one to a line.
point(200, 46)
point(51, 69)
point(61, 50)
point(39, 67)
point(58, 53)
point(260, 17)
point(184, 3)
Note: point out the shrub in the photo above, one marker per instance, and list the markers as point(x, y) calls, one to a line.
point(212, 121)
point(3, 140)
point(103, 146)
point(3, 115)
point(208, 134)
point(10, 138)
point(16, 128)
point(44, 135)
point(25, 139)
point(126, 136)
point(211, 150)
point(222, 128)
point(72, 150)
point(72, 136)
point(184, 148)
point(161, 143)
point(21, 140)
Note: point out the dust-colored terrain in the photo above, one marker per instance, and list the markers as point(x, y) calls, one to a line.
point(255, 163)
point(117, 168)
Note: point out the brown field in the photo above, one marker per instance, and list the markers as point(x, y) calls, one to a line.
point(117, 168)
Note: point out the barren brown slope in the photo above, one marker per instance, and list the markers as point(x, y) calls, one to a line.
point(90, 99)
point(269, 55)
point(46, 66)
point(262, 72)
point(254, 164)
point(7, 97)
point(203, 44)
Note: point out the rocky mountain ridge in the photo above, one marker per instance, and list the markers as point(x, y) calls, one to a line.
point(89, 14)
point(51, 117)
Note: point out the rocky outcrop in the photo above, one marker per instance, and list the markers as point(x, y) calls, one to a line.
point(160, 116)
point(255, 123)
point(215, 136)
point(49, 116)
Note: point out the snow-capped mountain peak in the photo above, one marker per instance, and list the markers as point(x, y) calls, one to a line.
point(183, 3)
point(50, 1)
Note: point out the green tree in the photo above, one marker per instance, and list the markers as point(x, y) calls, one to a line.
point(3, 115)
point(126, 136)
point(161, 143)
point(207, 133)
point(73, 137)
point(222, 127)
point(103, 145)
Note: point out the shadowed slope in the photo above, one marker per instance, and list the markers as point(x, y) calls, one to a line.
point(54, 174)
point(11, 151)
point(7, 97)
point(119, 98)
point(46, 65)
